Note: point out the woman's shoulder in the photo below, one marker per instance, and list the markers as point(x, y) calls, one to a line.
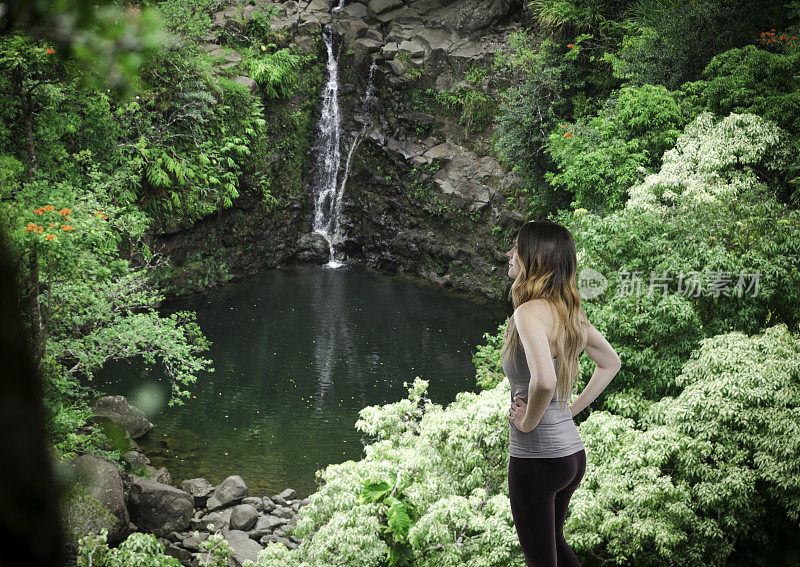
point(539, 308)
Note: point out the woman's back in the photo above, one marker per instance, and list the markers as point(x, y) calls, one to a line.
point(556, 434)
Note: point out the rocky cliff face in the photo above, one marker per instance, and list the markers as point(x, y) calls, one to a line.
point(424, 193)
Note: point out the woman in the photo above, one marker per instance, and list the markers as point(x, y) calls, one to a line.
point(541, 345)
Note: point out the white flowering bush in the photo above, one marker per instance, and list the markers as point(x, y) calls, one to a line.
point(713, 162)
point(449, 469)
point(140, 549)
point(711, 472)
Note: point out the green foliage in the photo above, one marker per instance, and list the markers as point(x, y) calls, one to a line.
point(139, 549)
point(670, 42)
point(217, 548)
point(399, 516)
point(488, 361)
point(276, 73)
point(713, 232)
point(713, 470)
point(601, 156)
point(753, 81)
point(475, 108)
point(98, 305)
point(549, 84)
point(579, 14)
point(190, 19)
point(82, 516)
point(715, 162)
point(190, 140)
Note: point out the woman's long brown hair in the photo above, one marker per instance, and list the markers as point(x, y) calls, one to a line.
point(547, 267)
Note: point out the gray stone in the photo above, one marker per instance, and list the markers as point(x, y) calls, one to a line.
point(288, 494)
point(268, 504)
point(159, 508)
point(283, 512)
point(218, 520)
point(414, 48)
point(104, 481)
point(444, 151)
point(399, 14)
point(397, 66)
point(318, 6)
point(312, 246)
point(381, 6)
point(182, 555)
point(254, 501)
point(390, 50)
point(434, 39)
point(135, 459)
point(247, 82)
point(469, 16)
point(363, 47)
point(230, 491)
point(355, 10)
point(242, 546)
point(159, 475)
point(350, 30)
point(278, 499)
point(192, 543)
point(243, 517)
point(199, 488)
point(458, 178)
point(406, 149)
point(118, 410)
point(508, 217)
point(268, 523)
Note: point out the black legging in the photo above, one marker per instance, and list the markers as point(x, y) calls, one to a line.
point(540, 490)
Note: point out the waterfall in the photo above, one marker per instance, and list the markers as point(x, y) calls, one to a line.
point(327, 191)
point(327, 149)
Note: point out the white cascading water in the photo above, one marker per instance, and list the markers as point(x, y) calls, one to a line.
point(327, 149)
point(327, 191)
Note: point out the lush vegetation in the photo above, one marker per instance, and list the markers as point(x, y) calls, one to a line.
point(99, 145)
point(665, 135)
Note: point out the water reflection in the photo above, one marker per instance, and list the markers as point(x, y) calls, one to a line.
point(297, 353)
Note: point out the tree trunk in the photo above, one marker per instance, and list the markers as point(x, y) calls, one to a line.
point(34, 309)
point(30, 149)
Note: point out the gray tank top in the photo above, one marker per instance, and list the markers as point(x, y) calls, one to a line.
point(556, 435)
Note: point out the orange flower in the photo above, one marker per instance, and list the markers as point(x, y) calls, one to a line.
point(105, 217)
point(50, 236)
point(51, 225)
point(570, 45)
point(50, 51)
point(65, 211)
point(567, 134)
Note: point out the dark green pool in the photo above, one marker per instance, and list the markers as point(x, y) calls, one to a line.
point(297, 353)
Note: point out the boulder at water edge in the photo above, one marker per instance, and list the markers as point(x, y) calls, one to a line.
point(159, 508)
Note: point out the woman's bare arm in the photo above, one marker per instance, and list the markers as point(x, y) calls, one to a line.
point(530, 321)
point(608, 364)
